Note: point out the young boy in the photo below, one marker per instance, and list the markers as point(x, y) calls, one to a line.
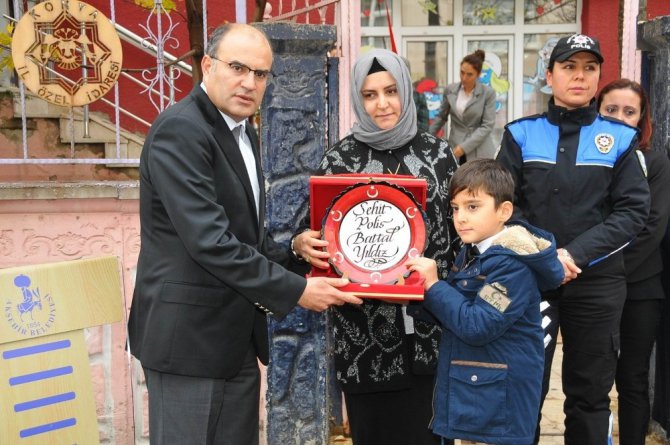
point(489, 375)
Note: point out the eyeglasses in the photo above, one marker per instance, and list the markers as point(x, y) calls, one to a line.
point(241, 69)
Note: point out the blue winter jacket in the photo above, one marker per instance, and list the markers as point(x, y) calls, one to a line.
point(492, 352)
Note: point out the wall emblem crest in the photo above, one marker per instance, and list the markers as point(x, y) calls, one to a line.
point(67, 52)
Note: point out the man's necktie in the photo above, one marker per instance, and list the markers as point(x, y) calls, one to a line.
point(236, 134)
point(471, 252)
point(249, 162)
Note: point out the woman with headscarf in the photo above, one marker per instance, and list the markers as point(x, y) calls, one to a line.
point(384, 358)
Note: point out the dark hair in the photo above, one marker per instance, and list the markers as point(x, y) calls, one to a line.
point(644, 124)
point(485, 175)
point(217, 36)
point(476, 60)
point(376, 67)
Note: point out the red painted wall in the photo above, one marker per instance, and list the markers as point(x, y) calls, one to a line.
point(657, 8)
point(312, 18)
point(599, 19)
point(134, 18)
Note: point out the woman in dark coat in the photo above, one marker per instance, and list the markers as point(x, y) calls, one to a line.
point(625, 100)
point(385, 359)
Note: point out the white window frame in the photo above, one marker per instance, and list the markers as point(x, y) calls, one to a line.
point(460, 34)
point(510, 68)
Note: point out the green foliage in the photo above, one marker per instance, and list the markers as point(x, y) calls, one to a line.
point(6, 61)
point(428, 6)
point(168, 5)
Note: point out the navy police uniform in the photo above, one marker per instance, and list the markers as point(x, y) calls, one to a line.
point(577, 175)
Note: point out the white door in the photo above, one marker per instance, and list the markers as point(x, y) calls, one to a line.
point(497, 71)
point(430, 60)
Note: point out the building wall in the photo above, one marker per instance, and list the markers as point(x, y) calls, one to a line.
point(55, 221)
point(45, 230)
point(597, 19)
point(657, 8)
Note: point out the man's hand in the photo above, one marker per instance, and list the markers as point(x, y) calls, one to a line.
point(309, 246)
point(458, 151)
point(570, 269)
point(427, 268)
point(322, 292)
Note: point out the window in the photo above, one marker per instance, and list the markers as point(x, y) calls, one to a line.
point(536, 51)
point(488, 12)
point(373, 12)
point(495, 74)
point(428, 13)
point(435, 35)
point(550, 11)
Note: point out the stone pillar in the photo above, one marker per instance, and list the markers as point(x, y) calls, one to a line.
point(654, 37)
point(294, 129)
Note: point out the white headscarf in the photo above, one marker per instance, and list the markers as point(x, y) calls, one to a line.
point(365, 130)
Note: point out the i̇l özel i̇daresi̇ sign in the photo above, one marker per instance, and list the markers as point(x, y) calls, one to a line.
point(67, 52)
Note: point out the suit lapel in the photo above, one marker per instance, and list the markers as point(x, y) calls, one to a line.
point(475, 96)
point(232, 152)
point(453, 98)
point(224, 137)
point(251, 134)
point(452, 95)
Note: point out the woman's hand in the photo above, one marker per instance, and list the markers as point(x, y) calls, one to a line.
point(570, 269)
point(458, 151)
point(309, 246)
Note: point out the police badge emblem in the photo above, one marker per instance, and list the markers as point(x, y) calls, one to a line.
point(604, 142)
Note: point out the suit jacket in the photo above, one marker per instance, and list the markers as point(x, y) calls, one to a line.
point(204, 284)
point(472, 131)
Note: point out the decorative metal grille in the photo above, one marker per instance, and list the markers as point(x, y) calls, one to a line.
point(157, 83)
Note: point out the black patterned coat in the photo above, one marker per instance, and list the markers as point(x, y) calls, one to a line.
point(372, 352)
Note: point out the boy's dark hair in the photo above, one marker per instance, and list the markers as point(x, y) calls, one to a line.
point(485, 175)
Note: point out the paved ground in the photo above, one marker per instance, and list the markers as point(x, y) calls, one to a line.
point(552, 414)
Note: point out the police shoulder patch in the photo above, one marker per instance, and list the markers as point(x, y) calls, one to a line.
point(643, 162)
point(495, 294)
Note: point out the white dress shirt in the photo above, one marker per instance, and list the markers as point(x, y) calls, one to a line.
point(247, 153)
point(462, 101)
point(484, 244)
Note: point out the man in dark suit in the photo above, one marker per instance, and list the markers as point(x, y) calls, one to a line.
point(208, 273)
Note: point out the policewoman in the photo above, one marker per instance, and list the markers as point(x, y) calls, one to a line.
point(578, 176)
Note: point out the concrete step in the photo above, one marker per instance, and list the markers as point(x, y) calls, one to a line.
point(35, 107)
point(100, 128)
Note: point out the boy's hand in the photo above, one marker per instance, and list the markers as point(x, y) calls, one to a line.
point(427, 268)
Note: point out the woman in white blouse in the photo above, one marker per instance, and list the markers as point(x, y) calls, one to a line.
point(471, 106)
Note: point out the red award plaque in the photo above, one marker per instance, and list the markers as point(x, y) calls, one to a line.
point(373, 226)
